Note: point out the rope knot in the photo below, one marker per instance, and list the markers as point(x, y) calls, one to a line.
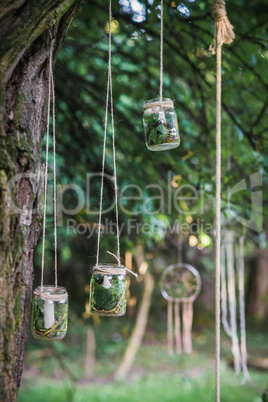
point(223, 32)
point(218, 10)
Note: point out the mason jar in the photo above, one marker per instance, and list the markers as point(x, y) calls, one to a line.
point(160, 125)
point(108, 288)
point(50, 313)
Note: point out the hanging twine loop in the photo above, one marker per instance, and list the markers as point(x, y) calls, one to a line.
point(109, 94)
point(51, 95)
point(223, 32)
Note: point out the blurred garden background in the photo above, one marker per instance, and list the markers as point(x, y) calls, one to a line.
point(167, 199)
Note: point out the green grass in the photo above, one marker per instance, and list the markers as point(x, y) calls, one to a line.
point(152, 387)
point(154, 377)
point(54, 371)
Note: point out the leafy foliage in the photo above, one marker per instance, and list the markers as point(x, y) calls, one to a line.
point(189, 79)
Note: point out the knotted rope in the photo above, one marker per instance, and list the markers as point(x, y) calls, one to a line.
point(223, 33)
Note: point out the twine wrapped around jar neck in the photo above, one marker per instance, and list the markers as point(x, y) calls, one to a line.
point(156, 103)
point(112, 269)
point(47, 293)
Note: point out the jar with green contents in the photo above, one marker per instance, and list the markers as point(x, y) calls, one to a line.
point(160, 125)
point(108, 287)
point(50, 313)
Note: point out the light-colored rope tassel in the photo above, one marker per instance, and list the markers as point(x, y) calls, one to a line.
point(223, 33)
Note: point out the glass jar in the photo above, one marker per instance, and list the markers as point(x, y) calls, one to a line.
point(50, 313)
point(108, 287)
point(160, 125)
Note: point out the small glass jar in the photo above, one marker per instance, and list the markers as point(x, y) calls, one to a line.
point(50, 313)
point(108, 287)
point(160, 125)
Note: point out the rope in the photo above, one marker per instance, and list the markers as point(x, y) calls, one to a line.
point(161, 52)
point(51, 94)
point(109, 91)
point(223, 33)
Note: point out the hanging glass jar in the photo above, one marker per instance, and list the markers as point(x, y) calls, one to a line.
point(108, 290)
point(50, 313)
point(160, 125)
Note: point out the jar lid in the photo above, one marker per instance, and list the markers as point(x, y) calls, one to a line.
point(49, 292)
point(156, 103)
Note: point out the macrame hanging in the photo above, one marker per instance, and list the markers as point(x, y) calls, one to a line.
point(180, 283)
point(160, 119)
point(50, 303)
point(223, 33)
point(108, 283)
point(232, 255)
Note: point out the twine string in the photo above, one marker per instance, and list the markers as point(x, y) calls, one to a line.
point(161, 52)
point(51, 94)
point(54, 178)
point(46, 171)
point(109, 92)
point(223, 33)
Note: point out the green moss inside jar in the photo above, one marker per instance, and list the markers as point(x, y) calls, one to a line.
point(108, 290)
point(160, 125)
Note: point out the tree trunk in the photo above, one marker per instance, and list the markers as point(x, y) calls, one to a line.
point(141, 321)
point(24, 51)
point(139, 329)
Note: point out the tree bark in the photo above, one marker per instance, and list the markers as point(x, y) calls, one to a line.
point(26, 27)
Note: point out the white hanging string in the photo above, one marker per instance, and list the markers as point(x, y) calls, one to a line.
point(161, 51)
point(51, 94)
point(225, 323)
point(187, 319)
point(46, 171)
point(229, 246)
point(109, 90)
point(241, 269)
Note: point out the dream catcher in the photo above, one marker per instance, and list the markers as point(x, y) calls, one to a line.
point(180, 284)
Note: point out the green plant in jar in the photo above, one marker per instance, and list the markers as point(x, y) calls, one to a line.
point(50, 313)
point(108, 290)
